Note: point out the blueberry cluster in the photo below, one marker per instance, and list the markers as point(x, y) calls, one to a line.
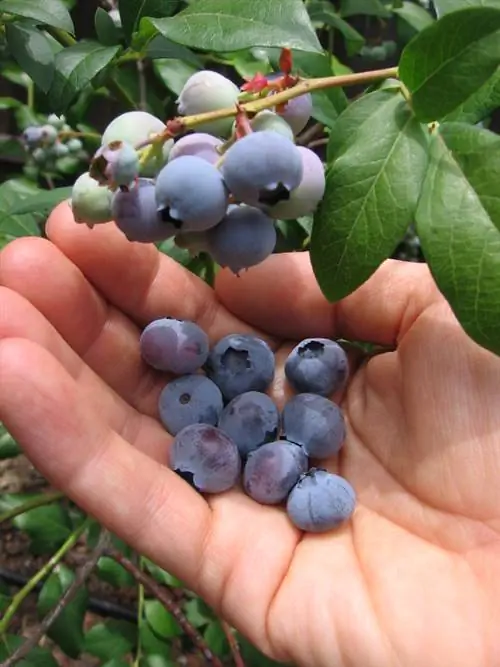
point(218, 190)
point(227, 429)
point(50, 141)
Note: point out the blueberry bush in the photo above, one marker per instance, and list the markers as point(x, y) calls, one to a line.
point(356, 130)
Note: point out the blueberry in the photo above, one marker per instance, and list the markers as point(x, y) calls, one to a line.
point(190, 399)
point(245, 237)
point(199, 144)
point(250, 419)
point(135, 214)
point(56, 121)
point(239, 363)
point(206, 458)
point(318, 366)
point(320, 501)
point(32, 136)
point(298, 112)
point(178, 346)
point(40, 155)
point(315, 423)
point(306, 197)
point(74, 145)
point(208, 91)
point(59, 149)
point(90, 202)
point(49, 134)
point(271, 471)
point(268, 120)
point(115, 164)
point(262, 168)
point(191, 194)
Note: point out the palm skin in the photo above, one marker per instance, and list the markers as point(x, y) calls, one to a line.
point(413, 579)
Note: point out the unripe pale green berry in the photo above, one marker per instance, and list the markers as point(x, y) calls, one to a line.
point(90, 202)
point(57, 122)
point(208, 91)
point(134, 127)
point(74, 145)
point(268, 120)
point(40, 155)
point(49, 134)
point(59, 150)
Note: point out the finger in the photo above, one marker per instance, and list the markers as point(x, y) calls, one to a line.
point(19, 319)
point(139, 280)
point(134, 496)
point(281, 295)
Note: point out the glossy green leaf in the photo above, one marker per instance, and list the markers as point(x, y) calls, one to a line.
point(216, 639)
point(37, 657)
point(196, 613)
point(49, 12)
point(458, 223)
point(8, 446)
point(67, 629)
point(372, 190)
point(112, 639)
point(173, 73)
point(415, 15)
point(161, 47)
point(76, 66)
point(47, 527)
point(323, 12)
point(480, 104)
point(161, 620)
point(132, 11)
point(42, 202)
point(446, 6)
point(114, 573)
point(233, 25)
point(32, 52)
point(107, 32)
point(12, 194)
point(366, 7)
point(151, 643)
point(442, 72)
point(9, 103)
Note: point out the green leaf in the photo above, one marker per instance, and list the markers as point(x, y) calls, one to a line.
point(196, 613)
point(323, 12)
point(112, 639)
point(153, 644)
point(8, 446)
point(8, 103)
point(441, 78)
point(480, 104)
point(414, 15)
point(161, 620)
point(47, 527)
point(116, 662)
point(15, 226)
point(161, 47)
point(67, 629)
point(173, 73)
point(42, 202)
point(37, 657)
point(216, 639)
point(107, 32)
point(114, 573)
point(372, 189)
point(157, 660)
point(49, 12)
point(458, 223)
point(76, 66)
point(32, 52)
point(131, 12)
point(445, 6)
point(233, 25)
point(366, 7)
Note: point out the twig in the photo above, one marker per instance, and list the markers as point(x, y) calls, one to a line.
point(68, 595)
point(233, 645)
point(310, 134)
point(21, 595)
point(166, 598)
point(140, 616)
point(143, 103)
point(39, 501)
point(318, 142)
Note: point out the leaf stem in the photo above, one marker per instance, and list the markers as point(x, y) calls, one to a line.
point(60, 36)
point(39, 501)
point(21, 595)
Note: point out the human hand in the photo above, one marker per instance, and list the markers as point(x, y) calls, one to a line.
point(413, 579)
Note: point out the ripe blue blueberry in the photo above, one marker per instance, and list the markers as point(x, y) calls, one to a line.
point(262, 168)
point(135, 214)
point(190, 194)
point(251, 419)
point(271, 471)
point(199, 144)
point(298, 112)
point(32, 136)
point(306, 197)
point(190, 399)
point(320, 501)
point(239, 363)
point(208, 91)
point(318, 366)
point(115, 164)
point(245, 237)
point(205, 457)
point(177, 346)
point(315, 423)
point(90, 202)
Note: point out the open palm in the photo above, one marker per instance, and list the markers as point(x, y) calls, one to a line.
point(413, 579)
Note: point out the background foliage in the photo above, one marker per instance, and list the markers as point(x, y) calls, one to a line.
point(413, 172)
